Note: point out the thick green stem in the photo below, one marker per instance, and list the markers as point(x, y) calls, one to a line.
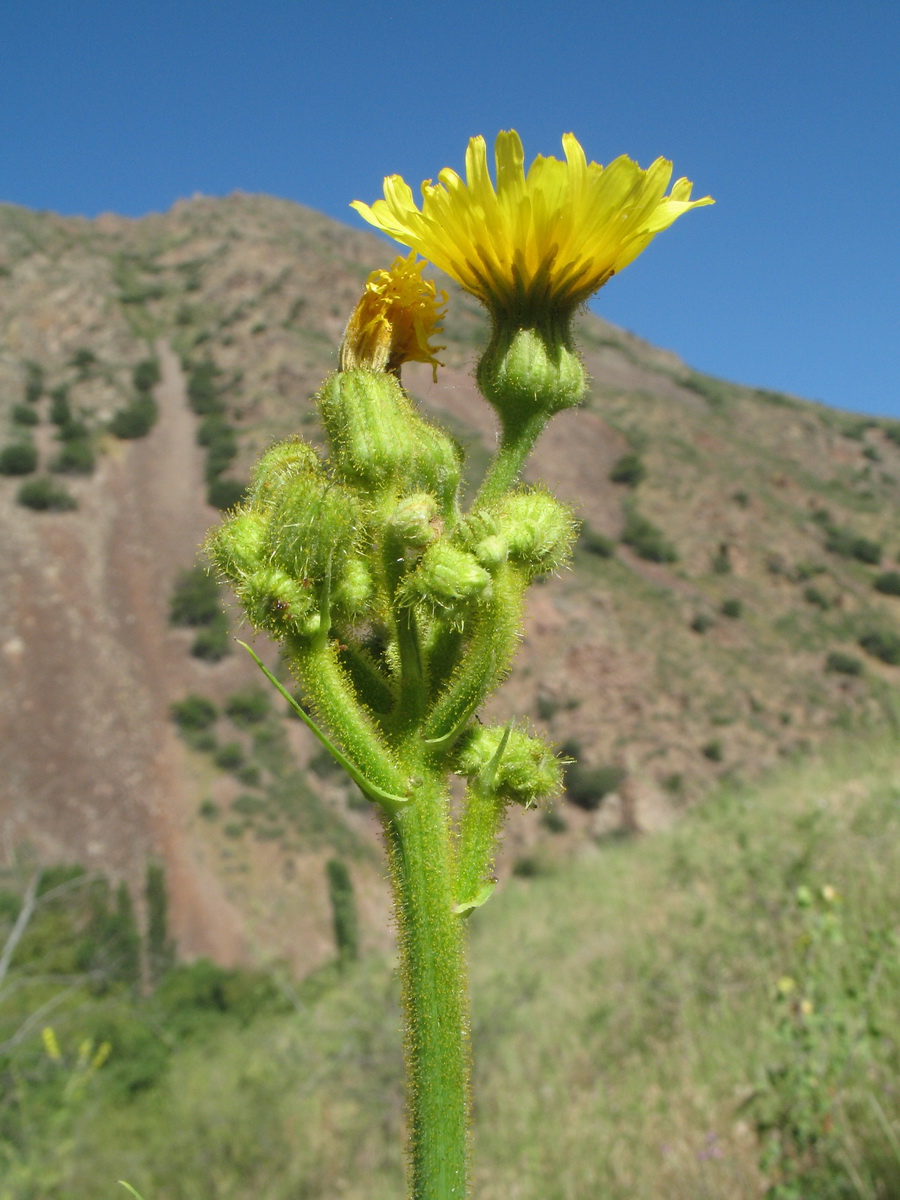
point(516, 442)
point(329, 690)
point(434, 993)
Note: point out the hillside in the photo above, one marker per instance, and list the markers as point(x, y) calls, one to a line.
point(733, 599)
point(697, 1014)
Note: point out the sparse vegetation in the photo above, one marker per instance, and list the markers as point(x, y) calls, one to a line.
point(849, 544)
point(888, 583)
point(816, 597)
point(721, 560)
point(629, 469)
point(18, 458)
point(732, 608)
point(248, 707)
point(343, 910)
point(34, 382)
point(76, 457)
point(842, 663)
point(25, 414)
point(196, 598)
point(60, 408)
point(203, 388)
point(595, 542)
point(883, 644)
point(225, 493)
point(136, 419)
point(43, 495)
point(646, 539)
point(229, 757)
point(146, 375)
point(212, 642)
point(194, 712)
point(714, 751)
point(587, 787)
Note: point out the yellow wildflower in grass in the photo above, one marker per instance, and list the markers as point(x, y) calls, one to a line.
point(539, 242)
point(395, 320)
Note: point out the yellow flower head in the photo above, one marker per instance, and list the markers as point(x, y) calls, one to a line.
point(540, 243)
point(395, 320)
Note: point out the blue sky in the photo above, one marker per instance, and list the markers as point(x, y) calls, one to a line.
point(787, 113)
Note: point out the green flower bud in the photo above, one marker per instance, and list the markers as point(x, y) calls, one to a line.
point(415, 521)
point(492, 551)
point(528, 369)
point(540, 529)
point(313, 528)
point(367, 419)
point(447, 578)
point(236, 547)
point(378, 439)
point(527, 770)
point(282, 462)
point(536, 528)
point(437, 465)
point(353, 594)
point(275, 601)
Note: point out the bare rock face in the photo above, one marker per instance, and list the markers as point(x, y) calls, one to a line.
point(691, 639)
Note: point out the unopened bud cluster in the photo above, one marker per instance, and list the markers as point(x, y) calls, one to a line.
point(334, 547)
point(398, 612)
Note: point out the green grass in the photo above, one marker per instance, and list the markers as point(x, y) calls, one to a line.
point(626, 1010)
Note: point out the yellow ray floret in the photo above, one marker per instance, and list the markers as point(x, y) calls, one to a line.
point(393, 323)
point(547, 239)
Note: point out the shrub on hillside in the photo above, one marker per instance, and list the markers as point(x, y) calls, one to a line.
point(812, 595)
point(343, 909)
point(721, 560)
point(629, 469)
point(585, 786)
point(732, 608)
point(43, 495)
point(195, 598)
point(193, 712)
point(221, 450)
point(82, 360)
point(202, 390)
point(212, 643)
point(136, 419)
point(24, 414)
point(888, 582)
point(852, 545)
point(75, 458)
point(702, 622)
point(596, 543)
point(146, 374)
point(647, 540)
point(18, 458)
point(248, 707)
point(713, 751)
point(34, 382)
point(843, 664)
point(883, 644)
point(225, 493)
point(60, 408)
point(229, 757)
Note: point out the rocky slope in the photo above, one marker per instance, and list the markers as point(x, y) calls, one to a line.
point(724, 632)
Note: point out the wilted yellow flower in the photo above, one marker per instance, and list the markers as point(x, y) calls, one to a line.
point(540, 243)
point(395, 320)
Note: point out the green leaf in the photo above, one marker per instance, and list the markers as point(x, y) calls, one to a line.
point(468, 906)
